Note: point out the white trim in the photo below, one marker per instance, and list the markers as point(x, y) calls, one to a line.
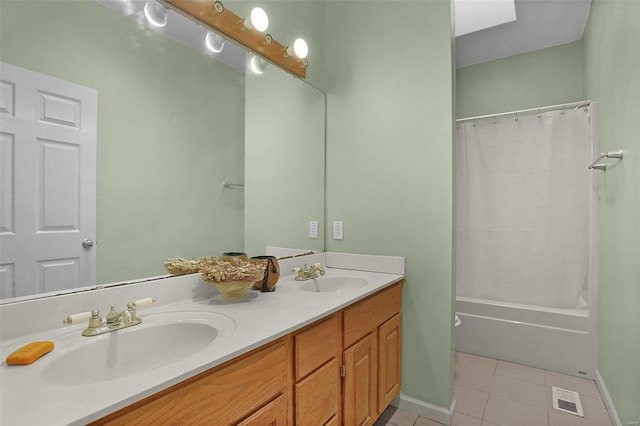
point(426, 409)
point(286, 251)
point(366, 262)
point(608, 402)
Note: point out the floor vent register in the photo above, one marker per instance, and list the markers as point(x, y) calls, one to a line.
point(566, 401)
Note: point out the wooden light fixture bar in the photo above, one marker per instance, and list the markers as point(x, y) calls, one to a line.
point(215, 17)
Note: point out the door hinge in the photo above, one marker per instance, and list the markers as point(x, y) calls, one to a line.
point(343, 370)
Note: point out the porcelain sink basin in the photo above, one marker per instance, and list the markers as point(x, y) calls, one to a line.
point(332, 284)
point(160, 340)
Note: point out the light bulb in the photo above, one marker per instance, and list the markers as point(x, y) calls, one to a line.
point(257, 20)
point(214, 42)
point(299, 49)
point(155, 14)
point(257, 64)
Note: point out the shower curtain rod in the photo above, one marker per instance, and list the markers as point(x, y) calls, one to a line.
point(539, 109)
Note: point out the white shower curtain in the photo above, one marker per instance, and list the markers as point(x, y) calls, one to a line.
point(524, 206)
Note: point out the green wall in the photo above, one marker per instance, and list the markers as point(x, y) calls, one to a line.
point(545, 77)
point(389, 164)
point(612, 77)
point(170, 130)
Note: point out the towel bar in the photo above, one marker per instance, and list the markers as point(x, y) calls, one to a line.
point(603, 166)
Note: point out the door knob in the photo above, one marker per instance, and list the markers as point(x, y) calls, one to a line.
point(87, 243)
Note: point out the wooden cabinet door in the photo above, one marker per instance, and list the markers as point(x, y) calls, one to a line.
point(318, 395)
point(389, 345)
point(272, 414)
point(360, 382)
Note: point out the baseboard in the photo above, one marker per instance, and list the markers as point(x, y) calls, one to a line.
point(426, 409)
point(608, 402)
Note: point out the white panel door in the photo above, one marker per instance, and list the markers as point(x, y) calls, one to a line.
point(48, 147)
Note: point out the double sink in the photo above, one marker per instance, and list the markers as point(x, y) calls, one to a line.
point(162, 339)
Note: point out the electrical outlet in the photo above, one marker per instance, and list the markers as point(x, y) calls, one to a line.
point(338, 230)
point(313, 229)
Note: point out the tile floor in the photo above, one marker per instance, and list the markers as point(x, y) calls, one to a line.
point(499, 393)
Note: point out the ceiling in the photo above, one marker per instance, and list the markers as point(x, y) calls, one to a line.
point(539, 24)
point(476, 15)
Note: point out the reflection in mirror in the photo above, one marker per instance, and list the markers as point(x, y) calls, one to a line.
point(284, 161)
point(170, 130)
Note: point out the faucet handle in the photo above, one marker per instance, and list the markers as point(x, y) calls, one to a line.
point(76, 318)
point(303, 271)
point(96, 320)
point(144, 302)
point(112, 315)
point(318, 267)
point(130, 315)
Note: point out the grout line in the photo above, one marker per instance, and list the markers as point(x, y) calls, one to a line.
point(548, 414)
point(522, 380)
point(486, 403)
point(519, 401)
point(516, 400)
point(474, 390)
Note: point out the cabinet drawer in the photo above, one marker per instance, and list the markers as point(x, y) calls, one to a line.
point(272, 414)
point(362, 318)
point(316, 345)
point(221, 397)
point(318, 395)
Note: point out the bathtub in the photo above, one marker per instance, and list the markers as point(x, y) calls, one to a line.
point(561, 340)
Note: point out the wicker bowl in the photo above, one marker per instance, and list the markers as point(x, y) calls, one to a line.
point(233, 279)
point(181, 266)
point(233, 290)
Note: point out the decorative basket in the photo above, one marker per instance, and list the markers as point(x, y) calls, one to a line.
point(181, 266)
point(233, 279)
point(233, 290)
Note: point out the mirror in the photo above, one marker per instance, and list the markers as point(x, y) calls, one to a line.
point(171, 129)
point(285, 162)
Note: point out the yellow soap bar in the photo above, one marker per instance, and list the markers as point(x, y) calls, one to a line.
point(29, 353)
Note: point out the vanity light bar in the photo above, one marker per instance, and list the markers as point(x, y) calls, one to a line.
point(215, 17)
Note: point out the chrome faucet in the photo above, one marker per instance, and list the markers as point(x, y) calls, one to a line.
point(113, 320)
point(308, 272)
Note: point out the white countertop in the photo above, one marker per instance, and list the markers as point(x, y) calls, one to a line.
point(28, 399)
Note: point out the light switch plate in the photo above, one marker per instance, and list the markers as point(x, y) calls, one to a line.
point(313, 229)
point(338, 230)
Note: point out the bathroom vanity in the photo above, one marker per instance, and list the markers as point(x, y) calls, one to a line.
point(304, 354)
point(356, 349)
